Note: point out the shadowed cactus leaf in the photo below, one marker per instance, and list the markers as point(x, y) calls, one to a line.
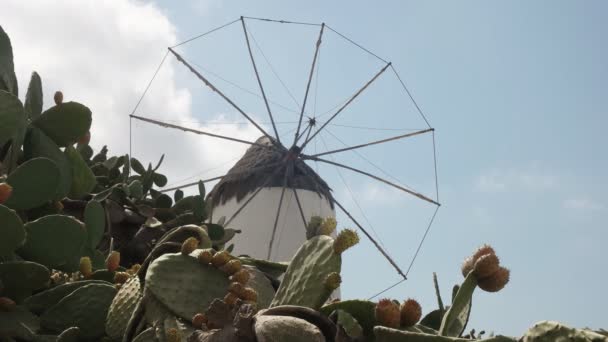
point(44, 300)
point(20, 278)
point(12, 116)
point(95, 223)
point(34, 183)
point(65, 123)
point(83, 179)
point(33, 97)
point(12, 231)
point(8, 80)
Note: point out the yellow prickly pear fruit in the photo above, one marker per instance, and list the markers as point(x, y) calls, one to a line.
point(7, 304)
point(333, 280)
point(230, 298)
point(242, 276)
point(328, 226)
point(5, 192)
point(469, 263)
point(345, 239)
point(410, 313)
point(249, 295)
point(496, 281)
point(113, 261)
point(220, 258)
point(236, 288)
point(387, 313)
point(134, 269)
point(231, 266)
point(86, 267)
point(173, 335)
point(486, 265)
point(198, 320)
point(205, 256)
point(189, 245)
point(58, 97)
point(121, 277)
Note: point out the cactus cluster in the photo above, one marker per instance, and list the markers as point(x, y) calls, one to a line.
point(91, 251)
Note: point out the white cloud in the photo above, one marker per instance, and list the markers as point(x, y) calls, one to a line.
point(102, 53)
point(530, 178)
point(582, 204)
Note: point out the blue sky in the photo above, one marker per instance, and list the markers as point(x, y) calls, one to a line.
point(516, 91)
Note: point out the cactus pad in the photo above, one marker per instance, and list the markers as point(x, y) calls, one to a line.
point(46, 299)
point(34, 183)
point(13, 234)
point(122, 307)
point(65, 123)
point(21, 278)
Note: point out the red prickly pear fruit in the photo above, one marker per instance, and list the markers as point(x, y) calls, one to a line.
point(411, 312)
point(496, 281)
point(58, 98)
point(486, 265)
point(388, 313)
point(469, 263)
point(205, 256)
point(113, 261)
point(198, 320)
point(5, 192)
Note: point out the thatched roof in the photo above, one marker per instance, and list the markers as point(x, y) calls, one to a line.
point(248, 174)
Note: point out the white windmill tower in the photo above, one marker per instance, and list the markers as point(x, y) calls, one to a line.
point(271, 192)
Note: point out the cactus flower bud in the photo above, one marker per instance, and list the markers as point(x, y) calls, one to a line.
point(220, 258)
point(333, 280)
point(469, 263)
point(189, 245)
point(198, 320)
point(387, 313)
point(232, 266)
point(113, 261)
point(121, 277)
point(7, 304)
point(205, 256)
point(5, 192)
point(328, 226)
point(58, 98)
point(496, 281)
point(486, 265)
point(345, 239)
point(86, 267)
point(410, 313)
point(241, 276)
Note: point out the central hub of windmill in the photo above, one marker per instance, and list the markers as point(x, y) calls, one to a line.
point(293, 153)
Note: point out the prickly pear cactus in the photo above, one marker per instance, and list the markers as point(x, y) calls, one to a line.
point(20, 278)
point(34, 183)
point(184, 285)
point(85, 308)
point(42, 301)
point(548, 331)
point(122, 307)
point(13, 234)
point(311, 275)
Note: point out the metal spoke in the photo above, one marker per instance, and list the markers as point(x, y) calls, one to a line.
point(352, 98)
point(257, 76)
point(295, 193)
point(168, 125)
point(374, 177)
point(236, 213)
point(312, 69)
point(374, 142)
point(276, 220)
point(210, 85)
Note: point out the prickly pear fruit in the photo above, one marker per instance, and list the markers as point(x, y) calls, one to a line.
point(198, 320)
point(86, 266)
point(328, 226)
point(121, 277)
point(5, 192)
point(220, 258)
point(333, 281)
point(242, 276)
point(205, 256)
point(189, 245)
point(486, 265)
point(496, 281)
point(232, 266)
point(469, 262)
point(113, 261)
point(58, 97)
point(7, 304)
point(345, 239)
point(388, 314)
point(410, 313)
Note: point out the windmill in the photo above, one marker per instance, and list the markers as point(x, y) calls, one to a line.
point(272, 191)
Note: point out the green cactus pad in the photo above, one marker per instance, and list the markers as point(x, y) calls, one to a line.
point(33, 97)
point(65, 123)
point(184, 285)
point(55, 241)
point(34, 183)
point(18, 323)
point(362, 310)
point(304, 281)
point(272, 268)
point(548, 331)
point(384, 334)
point(83, 179)
point(46, 299)
point(455, 318)
point(36, 145)
point(21, 278)
point(12, 115)
point(11, 230)
point(260, 283)
point(104, 275)
point(85, 308)
point(349, 324)
point(122, 307)
point(95, 223)
point(8, 80)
